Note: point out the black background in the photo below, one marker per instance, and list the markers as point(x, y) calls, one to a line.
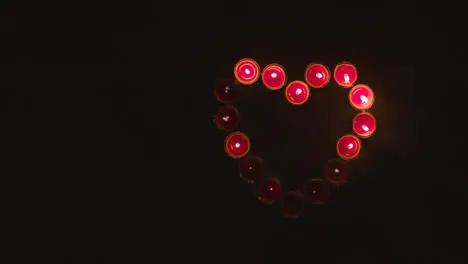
point(110, 153)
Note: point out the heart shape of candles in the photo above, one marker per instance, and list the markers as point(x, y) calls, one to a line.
point(316, 191)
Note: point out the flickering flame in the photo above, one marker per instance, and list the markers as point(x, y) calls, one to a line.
point(273, 75)
point(319, 75)
point(247, 71)
point(237, 145)
point(350, 145)
point(364, 99)
point(365, 128)
point(346, 78)
point(298, 91)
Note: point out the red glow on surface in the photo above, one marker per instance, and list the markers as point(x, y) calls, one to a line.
point(269, 190)
point(226, 92)
point(364, 124)
point(274, 76)
point(317, 75)
point(297, 92)
point(292, 204)
point(336, 171)
point(247, 71)
point(250, 169)
point(345, 74)
point(227, 118)
point(361, 97)
point(348, 147)
point(317, 191)
point(237, 145)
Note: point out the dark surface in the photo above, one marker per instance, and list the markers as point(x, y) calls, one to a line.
point(110, 154)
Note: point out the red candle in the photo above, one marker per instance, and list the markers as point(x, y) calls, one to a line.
point(297, 92)
point(274, 76)
point(237, 145)
point(317, 75)
point(361, 97)
point(336, 171)
point(226, 92)
point(345, 74)
point(317, 191)
point(250, 169)
point(269, 190)
point(292, 204)
point(364, 124)
point(247, 71)
point(348, 147)
point(227, 118)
